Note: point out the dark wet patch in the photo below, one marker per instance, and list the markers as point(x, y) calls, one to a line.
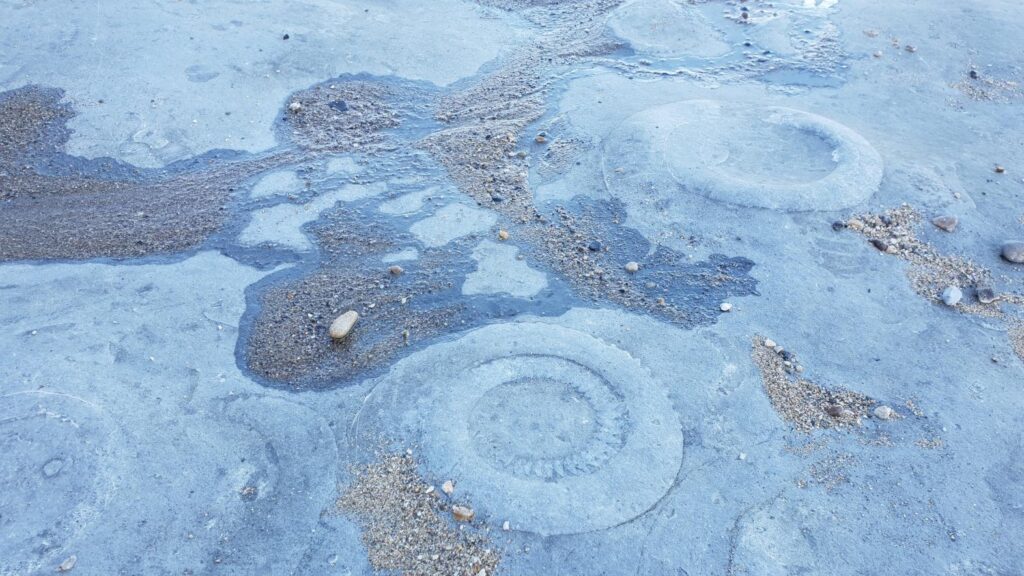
point(56, 206)
point(475, 136)
point(348, 113)
point(286, 331)
point(586, 243)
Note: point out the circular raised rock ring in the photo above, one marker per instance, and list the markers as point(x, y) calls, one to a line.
point(764, 157)
point(58, 470)
point(543, 425)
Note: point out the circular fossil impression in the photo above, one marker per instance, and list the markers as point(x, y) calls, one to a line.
point(765, 157)
point(549, 427)
point(60, 462)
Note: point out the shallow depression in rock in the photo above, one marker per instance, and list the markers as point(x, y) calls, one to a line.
point(767, 157)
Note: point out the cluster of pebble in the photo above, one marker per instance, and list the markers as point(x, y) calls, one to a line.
point(936, 276)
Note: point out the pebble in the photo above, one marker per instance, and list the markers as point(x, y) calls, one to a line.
point(880, 244)
point(594, 246)
point(952, 295)
point(725, 307)
point(947, 223)
point(632, 267)
point(855, 224)
point(343, 324)
point(68, 564)
point(885, 413)
point(506, 526)
point(838, 225)
point(986, 295)
point(396, 270)
point(448, 487)
point(295, 106)
point(769, 343)
point(1013, 251)
point(1000, 169)
point(502, 234)
point(462, 513)
point(52, 467)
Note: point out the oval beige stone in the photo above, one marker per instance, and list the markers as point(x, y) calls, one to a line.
point(462, 513)
point(343, 324)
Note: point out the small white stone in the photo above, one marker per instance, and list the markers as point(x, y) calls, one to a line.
point(632, 267)
point(343, 324)
point(68, 564)
point(725, 307)
point(952, 295)
point(768, 342)
point(506, 526)
point(885, 413)
point(295, 106)
point(742, 456)
point(448, 487)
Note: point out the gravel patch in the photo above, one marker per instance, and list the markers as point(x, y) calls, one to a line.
point(408, 526)
point(804, 404)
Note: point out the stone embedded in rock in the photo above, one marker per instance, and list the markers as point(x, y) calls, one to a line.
point(448, 487)
point(343, 324)
point(632, 267)
point(396, 270)
point(947, 223)
point(1013, 251)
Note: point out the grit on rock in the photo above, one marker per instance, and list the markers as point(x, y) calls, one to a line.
point(802, 403)
point(290, 341)
point(936, 276)
point(408, 526)
point(57, 206)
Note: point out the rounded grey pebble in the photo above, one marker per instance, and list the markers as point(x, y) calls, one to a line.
point(947, 223)
point(951, 296)
point(1013, 251)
